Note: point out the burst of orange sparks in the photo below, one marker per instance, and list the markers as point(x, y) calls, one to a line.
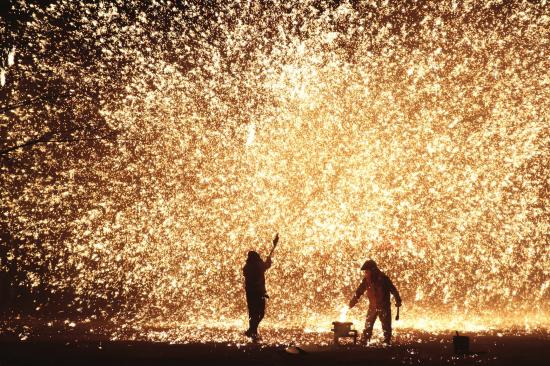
point(416, 135)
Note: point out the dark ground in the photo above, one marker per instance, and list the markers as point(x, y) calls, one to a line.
point(525, 350)
point(70, 346)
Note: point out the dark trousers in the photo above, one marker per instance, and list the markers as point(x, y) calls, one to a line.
point(256, 311)
point(385, 317)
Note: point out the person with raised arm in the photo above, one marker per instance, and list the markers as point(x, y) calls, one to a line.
point(254, 284)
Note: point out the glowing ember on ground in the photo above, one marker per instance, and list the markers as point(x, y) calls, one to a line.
point(175, 138)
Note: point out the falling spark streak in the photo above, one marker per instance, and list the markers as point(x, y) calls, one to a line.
point(11, 57)
point(251, 134)
point(414, 135)
point(343, 314)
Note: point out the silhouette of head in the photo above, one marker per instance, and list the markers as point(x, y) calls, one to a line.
point(369, 265)
point(253, 256)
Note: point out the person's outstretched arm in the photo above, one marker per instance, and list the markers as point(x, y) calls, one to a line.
point(395, 293)
point(267, 263)
point(358, 293)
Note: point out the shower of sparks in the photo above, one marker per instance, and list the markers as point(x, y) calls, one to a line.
point(343, 314)
point(176, 137)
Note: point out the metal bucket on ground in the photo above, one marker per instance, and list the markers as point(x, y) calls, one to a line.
point(343, 330)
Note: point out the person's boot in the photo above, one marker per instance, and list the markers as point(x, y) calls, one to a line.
point(249, 333)
point(364, 340)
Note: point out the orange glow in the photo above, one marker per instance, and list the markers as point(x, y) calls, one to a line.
point(421, 142)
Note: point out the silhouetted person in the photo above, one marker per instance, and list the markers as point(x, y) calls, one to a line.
point(254, 283)
point(378, 287)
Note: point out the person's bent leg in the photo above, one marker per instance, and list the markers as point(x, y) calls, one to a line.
point(249, 306)
point(254, 309)
point(260, 312)
point(255, 316)
point(385, 319)
point(261, 309)
point(369, 324)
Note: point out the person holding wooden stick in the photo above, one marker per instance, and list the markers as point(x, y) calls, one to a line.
point(254, 284)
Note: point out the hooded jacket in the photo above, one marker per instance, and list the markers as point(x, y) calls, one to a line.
point(378, 288)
